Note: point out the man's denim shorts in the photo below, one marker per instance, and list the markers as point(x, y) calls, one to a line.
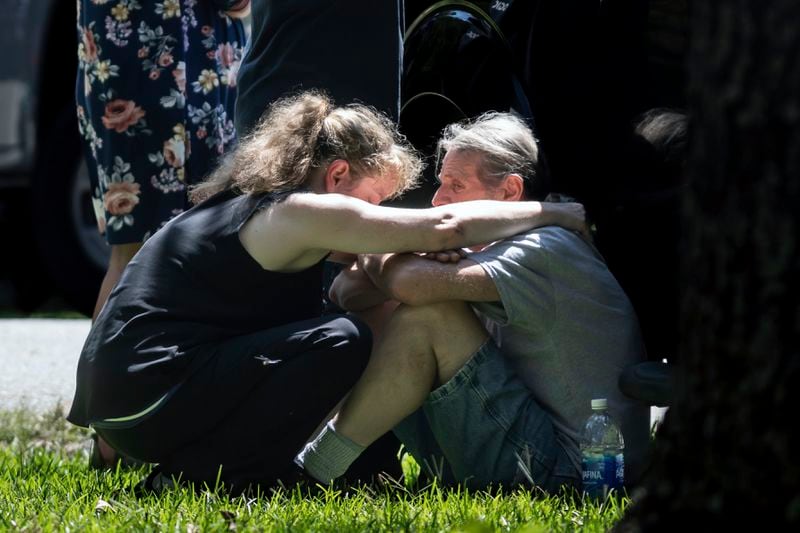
point(484, 428)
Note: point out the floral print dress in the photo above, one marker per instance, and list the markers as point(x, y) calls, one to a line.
point(155, 95)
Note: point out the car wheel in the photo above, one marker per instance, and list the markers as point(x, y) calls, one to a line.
point(75, 255)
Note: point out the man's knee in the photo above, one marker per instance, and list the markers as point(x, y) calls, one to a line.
point(448, 331)
point(434, 317)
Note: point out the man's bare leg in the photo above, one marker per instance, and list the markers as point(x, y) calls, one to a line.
point(423, 347)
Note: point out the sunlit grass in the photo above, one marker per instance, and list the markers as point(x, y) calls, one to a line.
point(46, 486)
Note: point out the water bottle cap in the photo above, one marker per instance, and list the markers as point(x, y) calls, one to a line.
point(599, 403)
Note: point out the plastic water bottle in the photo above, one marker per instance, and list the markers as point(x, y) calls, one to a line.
point(602, 452)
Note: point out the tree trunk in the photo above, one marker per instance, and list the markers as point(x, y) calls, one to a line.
point(724, 454)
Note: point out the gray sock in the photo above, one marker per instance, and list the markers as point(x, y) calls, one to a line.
point(329, 455)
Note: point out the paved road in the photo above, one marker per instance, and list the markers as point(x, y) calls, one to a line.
point(37, 361)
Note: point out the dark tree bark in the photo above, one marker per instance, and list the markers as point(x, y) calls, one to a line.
point(728, 452)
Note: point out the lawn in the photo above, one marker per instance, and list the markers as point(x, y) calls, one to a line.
point(46, 486)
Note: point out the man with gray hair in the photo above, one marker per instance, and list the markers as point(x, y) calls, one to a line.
point(488, 365)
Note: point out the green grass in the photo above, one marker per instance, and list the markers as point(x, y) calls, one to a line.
point(45, 486)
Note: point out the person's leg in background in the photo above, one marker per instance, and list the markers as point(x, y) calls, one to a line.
point(121, 254)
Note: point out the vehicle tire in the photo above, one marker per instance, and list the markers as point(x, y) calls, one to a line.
point(74, 253)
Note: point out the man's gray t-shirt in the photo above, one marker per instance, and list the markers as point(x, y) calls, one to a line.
point(570, 329)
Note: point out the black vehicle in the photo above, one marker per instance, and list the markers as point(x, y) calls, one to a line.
point(47, 222)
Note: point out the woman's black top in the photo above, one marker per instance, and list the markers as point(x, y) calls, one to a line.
point(190, 287)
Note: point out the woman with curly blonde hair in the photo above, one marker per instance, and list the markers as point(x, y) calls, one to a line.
point(211, 357)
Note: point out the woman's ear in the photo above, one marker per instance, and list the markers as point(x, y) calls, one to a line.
point(513, 188)
point(336, 175)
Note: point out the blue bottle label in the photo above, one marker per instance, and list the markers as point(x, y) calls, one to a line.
point(619, 472)
point(594, 468)
point(602, 472)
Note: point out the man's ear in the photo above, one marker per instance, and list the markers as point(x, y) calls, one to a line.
point(513, 188)
point(336, 175)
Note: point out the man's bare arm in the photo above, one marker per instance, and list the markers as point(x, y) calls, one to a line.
point(414, 280)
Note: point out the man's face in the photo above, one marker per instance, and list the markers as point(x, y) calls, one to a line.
point(459, 180)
